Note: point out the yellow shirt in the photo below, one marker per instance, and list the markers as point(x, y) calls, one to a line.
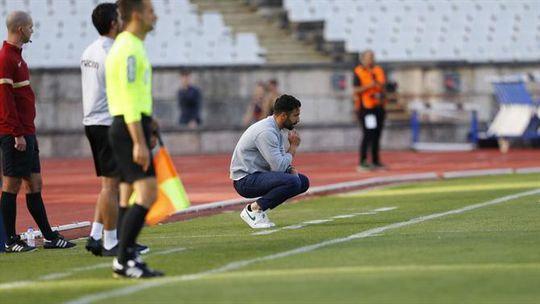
point(128, 76)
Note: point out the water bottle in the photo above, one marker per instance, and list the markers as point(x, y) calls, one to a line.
point(30, 237)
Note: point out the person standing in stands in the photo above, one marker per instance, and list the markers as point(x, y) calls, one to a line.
point(273, 94)
point(369, 95)
point(18, 139)
point(189, 102)
point(256, 109)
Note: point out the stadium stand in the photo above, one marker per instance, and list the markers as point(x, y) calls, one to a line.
point(281, 45)
point(184, 36)
point(472, 31)
point(206, 33)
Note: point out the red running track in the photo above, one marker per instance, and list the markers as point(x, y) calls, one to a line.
point(70, 185)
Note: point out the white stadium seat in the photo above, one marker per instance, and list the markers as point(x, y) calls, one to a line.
point(429, 30)
point(183, 36)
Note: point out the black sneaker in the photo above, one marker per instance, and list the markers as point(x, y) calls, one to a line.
point(139, 249)
point(134, 269)
point(94, 246)
point(15, 244)
point(142, 249)
point(378, 166)
point(110, 252)
point(363, 167)
point(57, 243)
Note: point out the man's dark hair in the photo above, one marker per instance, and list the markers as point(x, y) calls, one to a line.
point(103, 15)
point(127, 7)
point(286, 103)
point(273, 82)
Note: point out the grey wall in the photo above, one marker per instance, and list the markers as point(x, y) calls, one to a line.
point(227, 91)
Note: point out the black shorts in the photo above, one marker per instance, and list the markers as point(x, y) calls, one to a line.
point(104, 160)
point(17, 163)
point(122, 147)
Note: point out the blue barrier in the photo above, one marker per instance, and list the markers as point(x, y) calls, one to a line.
point(416, 126)
point(474, 128)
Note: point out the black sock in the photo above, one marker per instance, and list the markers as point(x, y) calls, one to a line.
point(249, 208)
point(8, 206)
point(35, 205)
point(131, 227)
point(121, 214)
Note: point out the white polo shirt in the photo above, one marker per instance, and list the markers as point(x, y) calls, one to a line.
point(96, 111)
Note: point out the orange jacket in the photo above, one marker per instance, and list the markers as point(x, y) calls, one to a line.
point(370, 98)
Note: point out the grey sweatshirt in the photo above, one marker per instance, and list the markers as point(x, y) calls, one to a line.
point(260, 149)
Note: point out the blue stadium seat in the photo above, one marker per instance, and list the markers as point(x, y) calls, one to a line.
point(512, 93)
point(518, 113)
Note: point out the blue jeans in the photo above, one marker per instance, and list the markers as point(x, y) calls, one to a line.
point(273, 187)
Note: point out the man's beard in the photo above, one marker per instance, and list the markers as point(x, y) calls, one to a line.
point(288, 125)
point(150, 27)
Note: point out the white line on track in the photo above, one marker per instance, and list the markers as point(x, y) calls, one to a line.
point(300, 250)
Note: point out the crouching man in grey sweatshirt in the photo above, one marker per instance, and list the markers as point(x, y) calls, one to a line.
point(261, 167)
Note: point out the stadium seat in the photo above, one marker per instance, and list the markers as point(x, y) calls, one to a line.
point(248, 49)
point(63, 29)
point(434, 30)
point(517, 116)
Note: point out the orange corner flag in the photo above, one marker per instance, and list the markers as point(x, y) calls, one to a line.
point(171, 196)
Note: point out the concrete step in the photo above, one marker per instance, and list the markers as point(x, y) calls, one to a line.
point(281, 46)
point(275, 58)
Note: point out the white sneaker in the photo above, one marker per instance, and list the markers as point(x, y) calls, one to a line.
point(255, 220)
point(267, 219)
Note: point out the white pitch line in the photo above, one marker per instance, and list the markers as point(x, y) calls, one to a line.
point(17, 284)
point(61, 275)
point(315, 222)
point(384, 209)
point(304, 249)
point(264, 232)
point(169, 251)
point(344, 216)
point(298, 226)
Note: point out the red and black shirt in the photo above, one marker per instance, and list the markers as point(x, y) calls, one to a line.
point(17, 100)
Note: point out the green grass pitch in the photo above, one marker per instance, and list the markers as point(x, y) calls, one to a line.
point(490, 254)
